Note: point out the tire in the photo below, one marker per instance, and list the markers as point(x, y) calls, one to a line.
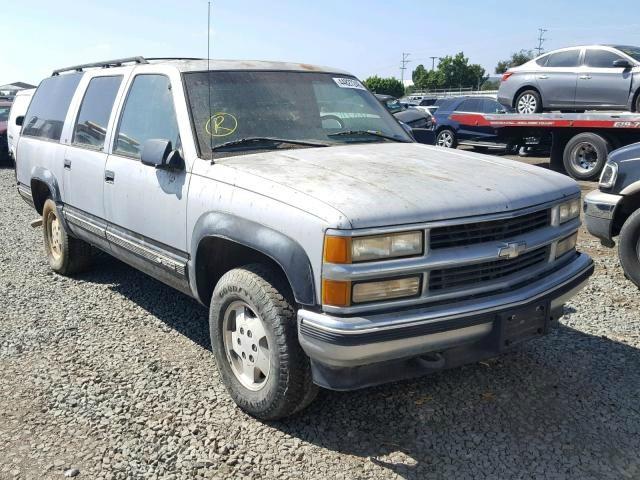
point(67, 255)
point(636, 103)
point(629, 247)
point(528, 102)
point(585, 155)
point(446, 138)
point(277, 381)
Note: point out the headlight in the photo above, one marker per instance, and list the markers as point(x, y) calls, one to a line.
point(385, 290)
point(569, 210)
point(609, 175)
point(566, 245)
point(376, 247)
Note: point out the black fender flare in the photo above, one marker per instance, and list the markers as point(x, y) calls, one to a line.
point(283, 250)
point(45, 176)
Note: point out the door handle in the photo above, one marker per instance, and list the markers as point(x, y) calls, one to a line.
point(543, 77)
point(109, 176)
point(67, 164)
point(585, 77)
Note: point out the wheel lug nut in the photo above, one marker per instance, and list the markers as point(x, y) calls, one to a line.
point(244, 355)
point(249, 333)
point(241, 331)
point(239, 342)
point(254, 348)
point(251, 358)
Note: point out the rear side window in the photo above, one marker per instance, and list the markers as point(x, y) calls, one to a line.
point(49, 106)
point(491, 106)
point(542, 61)
point(600, 58)
point(91, 125)
point(568, 58)
point(148, 114)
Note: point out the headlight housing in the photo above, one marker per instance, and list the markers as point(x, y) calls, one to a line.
point(569, 210)
point(609, 175)
point(566, 245)
point(373, 248)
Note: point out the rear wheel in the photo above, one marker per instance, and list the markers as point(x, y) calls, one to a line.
point(585, 155)
point(255, 340)
point(629, 247)
point(528, 102)
point(446, 138)
point(637, 103)
point(67, 255)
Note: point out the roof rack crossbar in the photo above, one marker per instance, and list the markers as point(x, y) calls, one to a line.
point(105, 64)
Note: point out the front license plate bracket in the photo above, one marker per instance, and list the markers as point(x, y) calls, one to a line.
point(519, 325)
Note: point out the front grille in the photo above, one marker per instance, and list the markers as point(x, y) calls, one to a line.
point(472, 233)
point(469, 276)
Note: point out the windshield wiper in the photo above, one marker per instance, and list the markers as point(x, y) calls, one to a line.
point(372, 133)
point(273, 140)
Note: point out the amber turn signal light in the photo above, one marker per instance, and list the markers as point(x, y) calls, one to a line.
point(336, 293)
point(337, 249)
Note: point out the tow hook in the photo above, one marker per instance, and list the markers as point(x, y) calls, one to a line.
point(431, 360)
point(36, 223)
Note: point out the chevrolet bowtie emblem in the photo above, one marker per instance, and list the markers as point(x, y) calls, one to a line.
point(512, 250)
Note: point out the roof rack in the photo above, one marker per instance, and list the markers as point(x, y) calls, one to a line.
point(106, 64)
point(174, 58)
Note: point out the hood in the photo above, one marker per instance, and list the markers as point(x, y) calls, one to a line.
point(381, 184)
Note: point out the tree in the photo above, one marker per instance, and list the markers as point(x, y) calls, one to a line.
point(517, 59)
point(490, 85)
point(452, 72)
point(386, 86)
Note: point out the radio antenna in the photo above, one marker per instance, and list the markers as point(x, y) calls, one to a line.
point(210, 132)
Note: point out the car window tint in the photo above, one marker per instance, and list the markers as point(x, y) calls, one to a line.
point(542, 61)
point(91, 125)
point(49, 106)
point(471, 105)
point(600, 58)
point(490, 106)
point(148, 114)
point(568, 58)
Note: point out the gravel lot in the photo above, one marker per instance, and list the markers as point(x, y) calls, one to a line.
point(110, 375)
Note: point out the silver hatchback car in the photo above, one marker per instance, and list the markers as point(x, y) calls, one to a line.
point(594, 77)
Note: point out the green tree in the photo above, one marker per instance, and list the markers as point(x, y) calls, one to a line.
point(490, 85)
point(386, 86)
point(452, 72)
point(517, 59)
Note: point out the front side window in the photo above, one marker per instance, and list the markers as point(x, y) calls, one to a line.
point(568, 58)
point(600, 58)
point(148, 114)
point(471, 105)
point(491, 106)
point(91, 125)
point(305, 107)
point(49, 106)
point(633, 52)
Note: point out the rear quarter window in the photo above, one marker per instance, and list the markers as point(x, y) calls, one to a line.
point(49, 106)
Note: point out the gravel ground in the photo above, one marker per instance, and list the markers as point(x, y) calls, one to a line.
point(110, 375)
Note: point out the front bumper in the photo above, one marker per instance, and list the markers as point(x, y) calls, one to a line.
point(355, 352)
point(599, 212)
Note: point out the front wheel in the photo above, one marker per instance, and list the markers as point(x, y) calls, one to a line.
point(629, 247)
point(254, 337)
point(446, 138)
point(529, 102)
point(585, 155)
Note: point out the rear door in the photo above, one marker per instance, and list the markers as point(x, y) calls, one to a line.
point(558, 78)
point(600, 84)
point(470, 132)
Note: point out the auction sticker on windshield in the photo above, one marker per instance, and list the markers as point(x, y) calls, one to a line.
point(343, 82)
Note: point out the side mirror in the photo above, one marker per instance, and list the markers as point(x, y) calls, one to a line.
point(160, 154)
point(20, 120)
point(622, 63)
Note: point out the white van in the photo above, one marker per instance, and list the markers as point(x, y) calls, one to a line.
point(18, 109)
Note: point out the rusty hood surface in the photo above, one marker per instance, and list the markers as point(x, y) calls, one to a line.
point(382, 184)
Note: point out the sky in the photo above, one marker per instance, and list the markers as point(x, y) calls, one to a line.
point(363, 37)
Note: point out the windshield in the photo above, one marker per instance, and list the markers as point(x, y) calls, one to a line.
point(4, 113)
point(306, 107)
point(633, 52)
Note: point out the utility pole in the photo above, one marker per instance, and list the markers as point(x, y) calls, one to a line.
point(405, 60)
point(541, 39)
point(433, 62)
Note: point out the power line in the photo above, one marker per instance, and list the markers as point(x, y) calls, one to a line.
point(541, 39)
point(405, 60)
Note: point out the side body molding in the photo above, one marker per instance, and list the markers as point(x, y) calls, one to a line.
point(283, 250)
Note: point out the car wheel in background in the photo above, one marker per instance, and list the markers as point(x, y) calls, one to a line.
point(254, 336)
point(67, 255)
point(528, 102)
point(585, 155)
point(629, 247)
point(446, 138)
point(637, 103)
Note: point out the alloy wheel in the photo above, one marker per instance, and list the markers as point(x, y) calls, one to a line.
point(445, 139)
point(527, 104)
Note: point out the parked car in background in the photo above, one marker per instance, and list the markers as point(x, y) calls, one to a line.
point(614, 209)
point(593, 77)
point(449, 133)
point(419, 121)
point(5, 107)
point(16, 117)
point(333, 252)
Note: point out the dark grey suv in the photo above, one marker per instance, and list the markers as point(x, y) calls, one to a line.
point(594, 77)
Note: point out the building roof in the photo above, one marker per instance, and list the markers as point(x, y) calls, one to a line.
point(16, 86)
